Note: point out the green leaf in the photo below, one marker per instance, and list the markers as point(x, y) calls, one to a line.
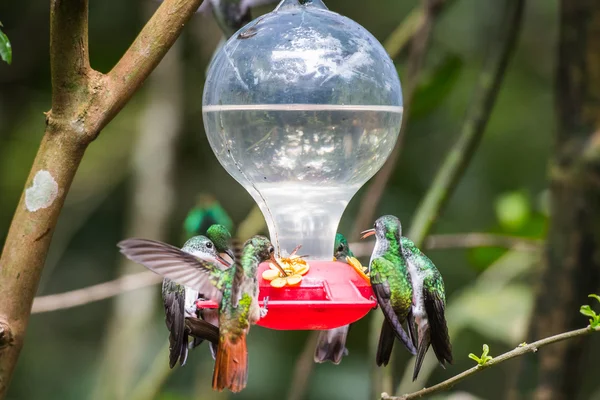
point(5, 48)
point(436, 86)
point(484, 359)
point(474, 357)
point(594, 296)
point(486, 351)
point(587, 311)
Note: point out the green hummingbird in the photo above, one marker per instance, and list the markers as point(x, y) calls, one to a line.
point(234, 289)
point(180, 301)
point(221, 237)
point(391, 284)
point(206, 212)
point(331, 344)
point(428, 310)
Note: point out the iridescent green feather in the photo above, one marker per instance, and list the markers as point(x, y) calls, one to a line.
point(432, 279)
point(392, 270)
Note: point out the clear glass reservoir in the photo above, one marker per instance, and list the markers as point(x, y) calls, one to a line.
point(302, 106)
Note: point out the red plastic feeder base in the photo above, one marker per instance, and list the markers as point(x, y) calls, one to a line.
point(331, 294)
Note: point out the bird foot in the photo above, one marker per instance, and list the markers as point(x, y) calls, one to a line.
point(264, 309)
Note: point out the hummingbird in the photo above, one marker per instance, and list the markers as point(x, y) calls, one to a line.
point(391, 284)
point(180, 301)
point(221, 237)
point(234, 289)
point(206, 212)
point(428, 310)
point(331, 344)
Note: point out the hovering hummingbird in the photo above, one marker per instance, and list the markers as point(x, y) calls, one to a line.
point(331, 344)
point(428, 310)
point(221, 237)
point(391, 284)
point(180, 301)
point(234, 289)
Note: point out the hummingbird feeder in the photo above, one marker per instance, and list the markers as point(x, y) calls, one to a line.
point(302, 106)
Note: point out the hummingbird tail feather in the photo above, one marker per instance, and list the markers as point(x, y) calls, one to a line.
point(385, 345)
point(331, 345)
point(440, 340)
point(213, 350)
point(231, 364)
point(422, 348)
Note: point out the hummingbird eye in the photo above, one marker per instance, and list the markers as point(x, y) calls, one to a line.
point(271, 250)
point(340, 247)
point(209, 245)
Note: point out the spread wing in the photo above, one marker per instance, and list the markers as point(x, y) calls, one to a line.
point(382, 291)
point(435, 306)
point(177, 265)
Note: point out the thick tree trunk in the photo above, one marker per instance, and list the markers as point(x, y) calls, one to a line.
point(572, 265)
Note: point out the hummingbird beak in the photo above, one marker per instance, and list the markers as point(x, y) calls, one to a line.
point(276, 263)
point(229, 252)
point(367, 233)
point(223, 261)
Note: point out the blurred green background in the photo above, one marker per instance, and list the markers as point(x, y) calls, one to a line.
point(156, 149)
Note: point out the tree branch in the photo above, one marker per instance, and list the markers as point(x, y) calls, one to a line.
point(519, 351)
point(69, 55)
point(94, 293)
point(144, 54)
point(83, 102)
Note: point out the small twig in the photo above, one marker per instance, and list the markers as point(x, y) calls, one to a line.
point(90, 294)
point(476, 240)
point(462, 241)
point(519, 351)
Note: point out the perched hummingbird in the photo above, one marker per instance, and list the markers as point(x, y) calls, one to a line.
point(429, 304)
point(180, 301)
point(234, 289)
point(204, 214)
point(391, 284)
point(331, 344)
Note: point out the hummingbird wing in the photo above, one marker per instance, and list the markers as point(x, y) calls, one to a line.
point(381, 271)
point(177, 265)
point(174, 303)
point(435, 306)
point(331, 345)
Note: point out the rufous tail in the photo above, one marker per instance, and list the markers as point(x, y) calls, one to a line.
point(231, 364)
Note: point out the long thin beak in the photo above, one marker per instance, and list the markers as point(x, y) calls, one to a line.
point(367, 233)
point(223, 261)
point(276, 263)
point(229, 252)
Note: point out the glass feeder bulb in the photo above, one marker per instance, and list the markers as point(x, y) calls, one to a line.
point(302, 106)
